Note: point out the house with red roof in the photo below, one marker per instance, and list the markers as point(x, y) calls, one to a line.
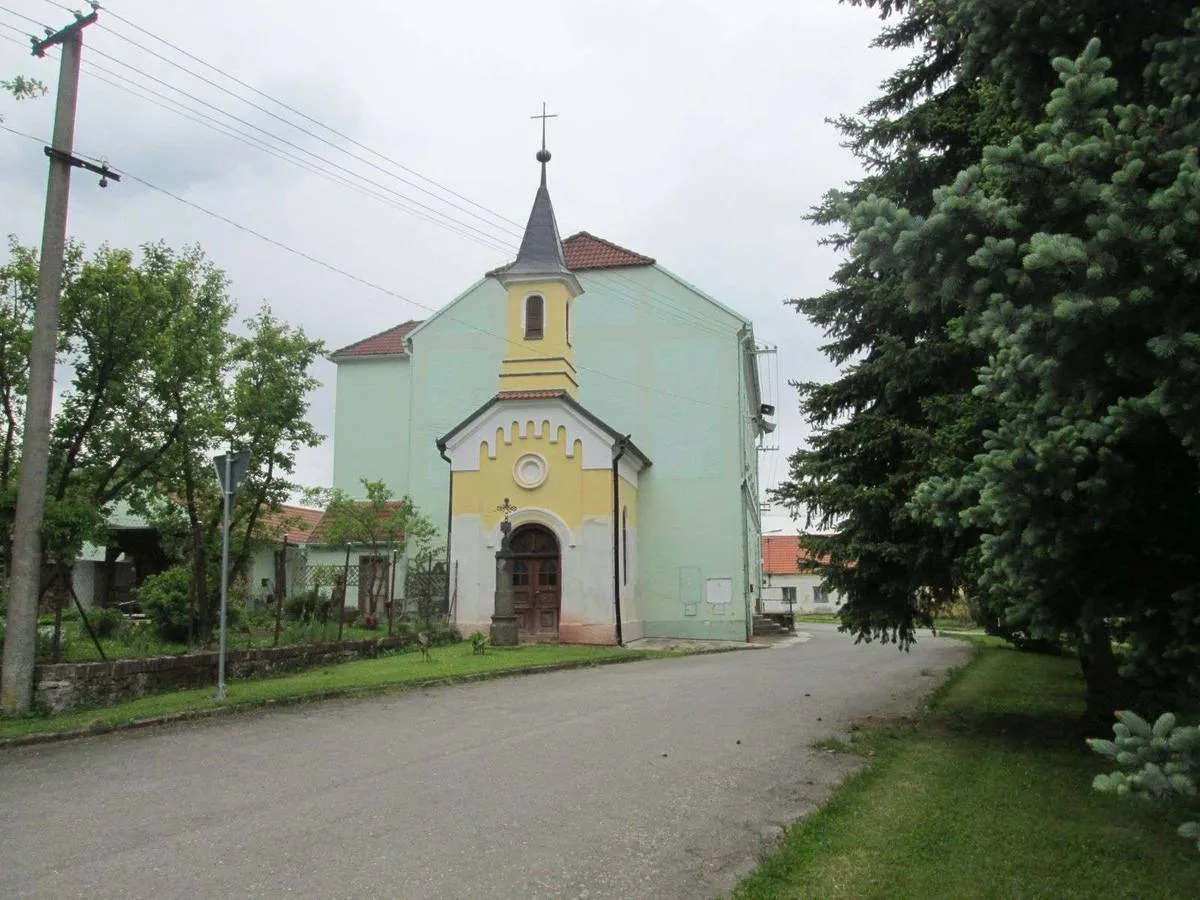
point(789, 584)
point(592, 408)
point(297, 556)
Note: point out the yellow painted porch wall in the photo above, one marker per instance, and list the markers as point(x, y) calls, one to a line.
point(572, 493)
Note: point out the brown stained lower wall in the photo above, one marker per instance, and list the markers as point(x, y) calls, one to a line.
point(68, 686)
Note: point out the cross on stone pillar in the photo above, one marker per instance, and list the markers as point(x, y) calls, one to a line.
point(504, 617)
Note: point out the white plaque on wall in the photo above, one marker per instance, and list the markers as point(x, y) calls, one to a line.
point(718, 590)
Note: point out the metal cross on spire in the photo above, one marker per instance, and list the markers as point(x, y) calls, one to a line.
point(544, 154)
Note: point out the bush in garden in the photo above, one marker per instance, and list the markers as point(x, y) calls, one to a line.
point(1160, 761)
point(140, 639)
point(259, 617)
point(43, 648)
point(303, 632)
point(106, 622)
point(444, 634)
point(306, 607)
point(166, 599)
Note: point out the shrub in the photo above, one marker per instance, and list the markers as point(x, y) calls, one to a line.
point(260, 617)
point(43, 648)
point(166, 599)
point(308, 632)
point(139, 639)
point(443, 634)
point(236, 616)
point(1161, 761)
point(306, 607)
point(106, 622)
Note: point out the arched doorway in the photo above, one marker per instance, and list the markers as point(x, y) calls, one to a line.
point(537, 582)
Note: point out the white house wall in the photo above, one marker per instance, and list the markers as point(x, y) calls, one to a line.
point(804, 585)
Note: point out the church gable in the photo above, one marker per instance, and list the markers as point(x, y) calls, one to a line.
point(547, 415)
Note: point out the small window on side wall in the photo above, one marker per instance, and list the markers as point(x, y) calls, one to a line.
point(535, 317)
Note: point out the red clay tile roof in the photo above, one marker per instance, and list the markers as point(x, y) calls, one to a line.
point(385, 343)
point(781, 555)
point(586, 251)
point(296, 522)
point(529, 395)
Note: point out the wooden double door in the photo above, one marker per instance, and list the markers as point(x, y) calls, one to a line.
point(537, 583)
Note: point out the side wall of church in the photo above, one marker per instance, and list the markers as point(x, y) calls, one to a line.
point(456, 361)
point(642, 327)
point(371, 423)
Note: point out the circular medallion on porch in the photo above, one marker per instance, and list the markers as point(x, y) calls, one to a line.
point(531, 470)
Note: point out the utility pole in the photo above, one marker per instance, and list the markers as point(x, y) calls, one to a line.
point(16, 677)
point(231, 469)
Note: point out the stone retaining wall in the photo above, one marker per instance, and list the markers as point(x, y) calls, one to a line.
point(68, 686)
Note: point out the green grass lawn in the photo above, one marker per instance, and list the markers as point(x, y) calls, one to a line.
point(819, 618)
point(988, 797)
point(452, 661)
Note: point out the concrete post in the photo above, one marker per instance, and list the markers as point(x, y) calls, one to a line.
point(16, 679)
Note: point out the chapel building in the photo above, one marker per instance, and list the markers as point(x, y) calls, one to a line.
point(607, 408)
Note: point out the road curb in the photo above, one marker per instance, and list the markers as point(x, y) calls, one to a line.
point(54, 737)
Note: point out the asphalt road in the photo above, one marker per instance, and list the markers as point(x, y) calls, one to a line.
point(654, 779)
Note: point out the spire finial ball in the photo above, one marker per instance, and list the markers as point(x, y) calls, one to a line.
point(543, 156)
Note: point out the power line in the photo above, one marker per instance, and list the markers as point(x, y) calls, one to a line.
point(305, 116)
point(213, 124)
point(15, 30)
point(234, 133)
point(229, 131)
point(294, 145)
point(373, 285)
point(687, 316)
point(305, 131)
point(13, 12)
point(668, 308)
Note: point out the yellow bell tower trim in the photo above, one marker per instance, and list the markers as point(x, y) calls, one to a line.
point(541, 293)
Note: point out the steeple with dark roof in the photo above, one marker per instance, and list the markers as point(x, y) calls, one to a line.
point(541, 248)
point(540, 290)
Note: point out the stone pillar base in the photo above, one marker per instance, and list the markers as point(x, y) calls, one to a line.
point(504, 631)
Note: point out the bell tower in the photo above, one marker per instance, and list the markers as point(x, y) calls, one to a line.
point(541, 293)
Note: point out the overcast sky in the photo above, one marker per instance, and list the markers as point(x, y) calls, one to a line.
point(692, 132)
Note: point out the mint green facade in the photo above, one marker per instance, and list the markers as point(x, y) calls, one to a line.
point(657, 360)
point(372, 401)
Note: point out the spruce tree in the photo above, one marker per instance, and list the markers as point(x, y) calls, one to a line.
point(1013, 416)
